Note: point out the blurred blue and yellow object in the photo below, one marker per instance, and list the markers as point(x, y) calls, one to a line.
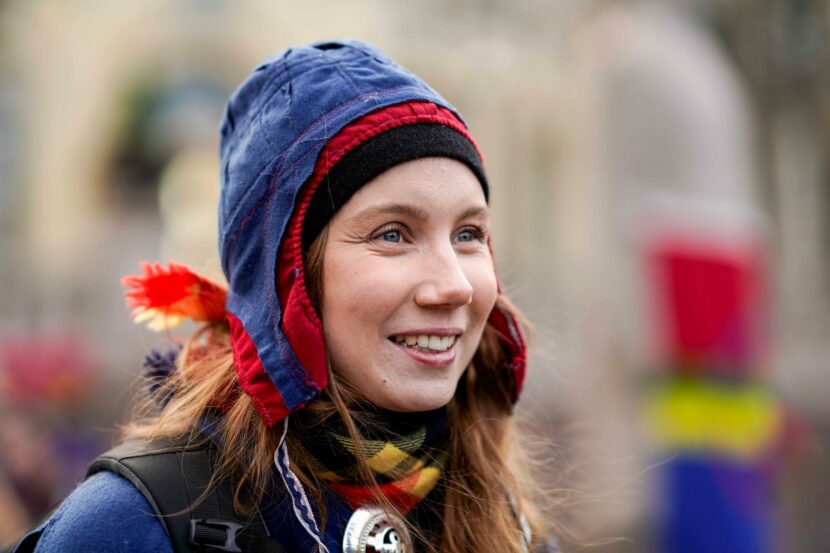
point(741, 421)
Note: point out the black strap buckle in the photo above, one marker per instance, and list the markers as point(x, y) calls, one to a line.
point(215, 533)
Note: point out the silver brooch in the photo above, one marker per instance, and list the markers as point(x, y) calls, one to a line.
point(373, 530)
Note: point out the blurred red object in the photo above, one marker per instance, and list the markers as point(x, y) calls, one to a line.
point(709, 304)
point(56, 368)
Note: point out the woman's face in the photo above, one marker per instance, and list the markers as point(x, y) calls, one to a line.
point(408, 284)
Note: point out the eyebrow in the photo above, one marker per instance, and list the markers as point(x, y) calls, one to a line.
point(412, 211)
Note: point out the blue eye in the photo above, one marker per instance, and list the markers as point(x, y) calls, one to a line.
point(391, 236)
point(469, 235)
point(393, 233)
point(466, 236)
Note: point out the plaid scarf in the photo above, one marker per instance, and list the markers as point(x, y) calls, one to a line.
point(405, 451)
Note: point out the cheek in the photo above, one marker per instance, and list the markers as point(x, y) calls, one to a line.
point(482, 277)
point(359, 297)
point(363, 290)
point(344, 314)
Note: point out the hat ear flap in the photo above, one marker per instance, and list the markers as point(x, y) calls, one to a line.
point(504, 321)
point(252, 377)
point(507, 325)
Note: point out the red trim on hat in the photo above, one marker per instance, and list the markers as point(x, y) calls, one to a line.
point(252, 377)
point(300, 323)
point(507, 326)
point(511, 332)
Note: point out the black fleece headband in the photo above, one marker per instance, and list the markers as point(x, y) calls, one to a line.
point(376, 155)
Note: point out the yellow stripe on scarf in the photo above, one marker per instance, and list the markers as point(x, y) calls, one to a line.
point(387, 459)
point(427, 479)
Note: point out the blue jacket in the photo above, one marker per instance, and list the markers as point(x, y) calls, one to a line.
point(107, 514)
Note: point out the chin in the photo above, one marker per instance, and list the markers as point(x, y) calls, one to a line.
point(417, 403)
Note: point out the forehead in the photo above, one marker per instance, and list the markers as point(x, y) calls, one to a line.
point(427, 183)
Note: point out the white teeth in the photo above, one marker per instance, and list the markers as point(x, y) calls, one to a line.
point(435, 343)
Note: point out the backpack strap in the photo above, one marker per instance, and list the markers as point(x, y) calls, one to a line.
point(174, 479)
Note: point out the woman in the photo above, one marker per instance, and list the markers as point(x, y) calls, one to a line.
point(357, 381)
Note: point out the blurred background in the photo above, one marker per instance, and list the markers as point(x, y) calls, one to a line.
point(660, 187)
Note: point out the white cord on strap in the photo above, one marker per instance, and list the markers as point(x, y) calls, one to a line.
point(299, 499)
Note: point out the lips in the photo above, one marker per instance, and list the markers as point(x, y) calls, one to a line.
point(434, 347)
point(427, 356)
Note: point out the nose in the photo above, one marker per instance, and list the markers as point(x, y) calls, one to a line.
point(444, 283)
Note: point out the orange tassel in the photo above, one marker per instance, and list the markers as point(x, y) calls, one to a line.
point(165, 296)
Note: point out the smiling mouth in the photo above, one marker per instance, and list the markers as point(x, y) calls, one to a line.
point(424, 342)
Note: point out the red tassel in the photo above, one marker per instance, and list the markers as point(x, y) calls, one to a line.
point(165, 296)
